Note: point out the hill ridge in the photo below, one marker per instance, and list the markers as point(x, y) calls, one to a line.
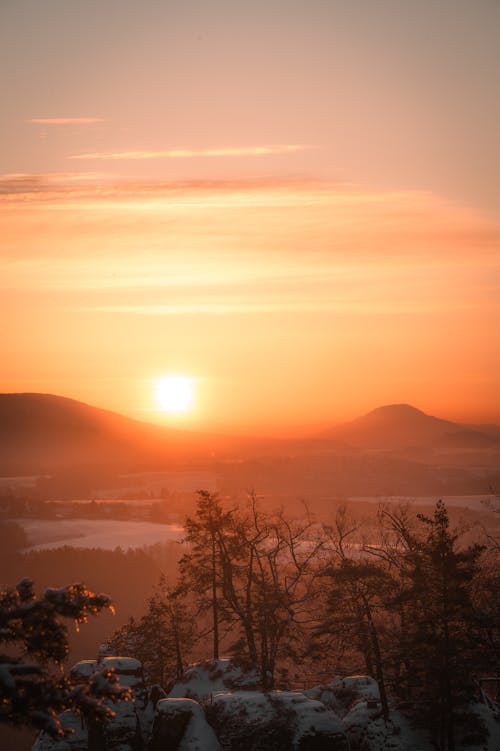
point(42, 432)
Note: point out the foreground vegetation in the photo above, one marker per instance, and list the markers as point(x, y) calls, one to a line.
point(413, 604)
point(414, 608)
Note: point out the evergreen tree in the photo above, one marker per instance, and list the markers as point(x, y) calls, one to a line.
point(441, 623)
point(201, 567)
point(31, 628)
point(356, 591)
point(161, 637)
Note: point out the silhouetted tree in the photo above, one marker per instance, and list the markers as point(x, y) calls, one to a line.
point(201, 566)
point(35, 638)
point(254, 571)
point(355, 598)
point(439, 620)
point(162, 637)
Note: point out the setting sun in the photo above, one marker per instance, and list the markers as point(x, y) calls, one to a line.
point(174, 393)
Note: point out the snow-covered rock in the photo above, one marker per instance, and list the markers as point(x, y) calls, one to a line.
point(82, 670)
point(357, 720)
point(315, 726)
point(180, 725)
point(362, 685)
point(274, 721)
point(75, 740)
point(122, 732)
point(488, 715)
point(128, 669)
point(250, 720)
point(204, 679)
point(327, 696)
point(368, 731)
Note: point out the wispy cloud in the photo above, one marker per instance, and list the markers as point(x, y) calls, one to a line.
point(204, 308)
point(266, 150)
point(26, 184)
point(351, 307)
point(66, 120)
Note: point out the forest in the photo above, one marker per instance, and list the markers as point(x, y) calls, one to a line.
point(408, 599)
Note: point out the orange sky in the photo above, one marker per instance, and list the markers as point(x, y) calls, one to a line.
point(295, 205)
point(292, 303)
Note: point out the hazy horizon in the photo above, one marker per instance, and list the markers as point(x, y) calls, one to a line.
point(388, 415)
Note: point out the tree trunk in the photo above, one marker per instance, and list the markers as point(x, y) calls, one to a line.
point(215, 610)
point(378, 662)
point(178, 654)
point(251, 645)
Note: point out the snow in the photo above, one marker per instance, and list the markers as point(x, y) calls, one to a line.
point(310, 719)
point(326, 695)
point(121, 730)
point(174, 481)
point(491, 720)
point(109, 534)
point(253, 705)
point(254, 712)
point(77, 740)
point(472, 502)
point(363, 685)
point(198, 735)
point(128, 669)
point(313, 718)
point(366, 729)
point(83, 670)
point(122, 664)
point(203, 679)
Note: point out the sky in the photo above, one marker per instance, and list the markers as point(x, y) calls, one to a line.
point(293, 204)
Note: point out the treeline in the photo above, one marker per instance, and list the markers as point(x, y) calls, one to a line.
point(127, 575)
point(149, 508)
point(411, 606)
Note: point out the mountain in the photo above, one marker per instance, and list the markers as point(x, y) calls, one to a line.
point(43, 432)
point(395, 426)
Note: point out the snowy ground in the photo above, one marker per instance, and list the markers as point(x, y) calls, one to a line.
point(177, 481)
point(87, 533)
point(473, 502)
point(231, 719)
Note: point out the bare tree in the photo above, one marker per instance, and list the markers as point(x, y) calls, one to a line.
point(254, 570)
point(356, 594)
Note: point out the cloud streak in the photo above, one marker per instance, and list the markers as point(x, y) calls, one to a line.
point(27, 183)
point(230, 151)
point(344, 307)
point(66, 120)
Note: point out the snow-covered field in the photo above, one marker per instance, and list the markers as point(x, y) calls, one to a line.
point(473, 502)
point(183, 481)
point(87, 533)
point(177, 482)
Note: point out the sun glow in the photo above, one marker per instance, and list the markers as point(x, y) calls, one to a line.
point(174, 393)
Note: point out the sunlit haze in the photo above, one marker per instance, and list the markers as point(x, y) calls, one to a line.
point(294, 204)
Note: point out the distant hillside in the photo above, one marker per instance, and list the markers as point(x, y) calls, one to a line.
point(42, 432)
point(493, 431)
point(468, 439)
point(399, 426)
